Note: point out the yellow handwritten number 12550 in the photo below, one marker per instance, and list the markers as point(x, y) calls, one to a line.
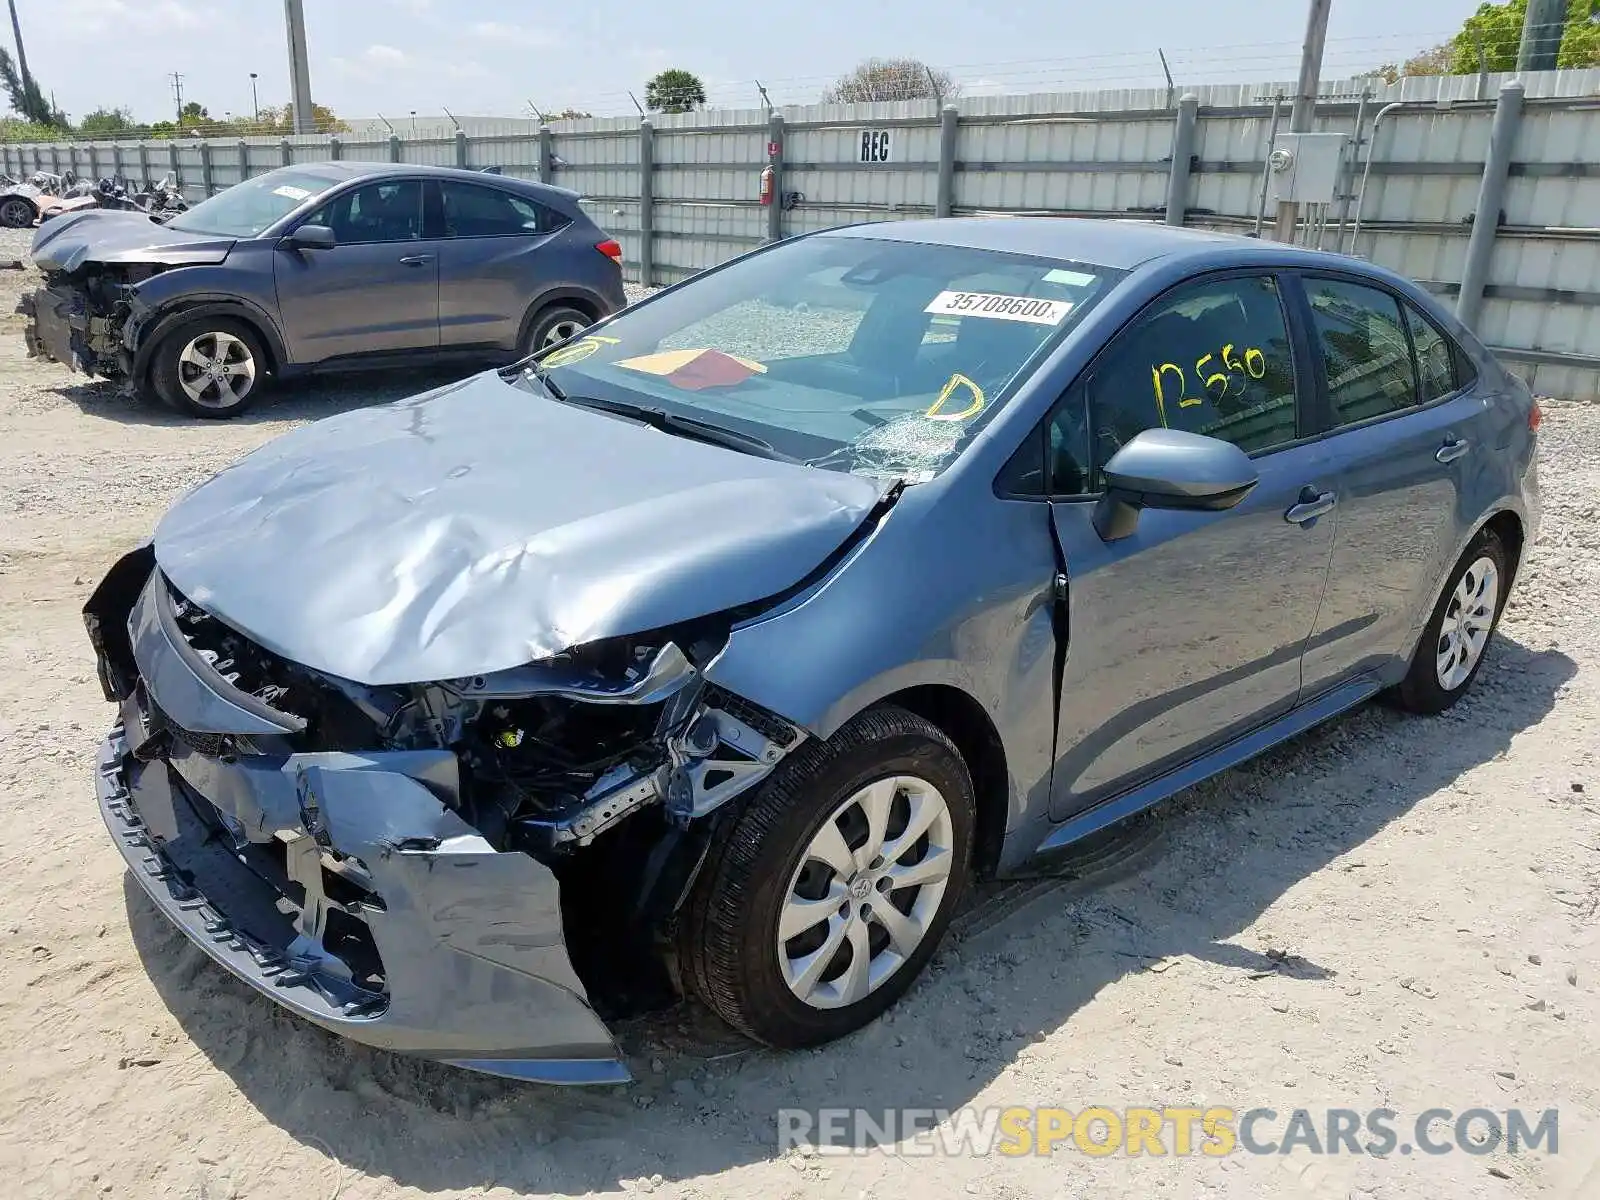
point(1218, 384)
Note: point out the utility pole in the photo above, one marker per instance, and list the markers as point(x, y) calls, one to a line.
point(299, 67)
point(1305, 101)
point(255, 104)
point(22, 57)
point(1542, 28)
point(177, 95)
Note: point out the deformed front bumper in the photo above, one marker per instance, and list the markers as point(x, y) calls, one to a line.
point(60, 328)
point(343, 887)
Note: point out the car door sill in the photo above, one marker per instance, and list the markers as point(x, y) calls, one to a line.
point(1293, 723)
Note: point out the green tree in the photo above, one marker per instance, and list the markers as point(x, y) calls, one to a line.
point(891, 79)
point(674, 91)
point(1497, 29)
point(107, 122)
point(29, 101)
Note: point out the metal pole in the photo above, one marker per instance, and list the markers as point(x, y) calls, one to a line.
point(22, 61)
point(647, 202)
point(305, 120)
point(1266, 164)
point(775, 161)
point(244, 160)
point(255, 104)
point(949, 127)
point(207, 179)
point(547, 154)
point(1491, 198)
point(1182, 153)
point(1349, 172)
point(1542, 27)
point(1304, 111)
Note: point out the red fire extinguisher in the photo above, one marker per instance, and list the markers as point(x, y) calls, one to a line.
point(768, 176)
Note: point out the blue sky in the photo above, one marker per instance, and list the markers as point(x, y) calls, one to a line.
point(490, 57)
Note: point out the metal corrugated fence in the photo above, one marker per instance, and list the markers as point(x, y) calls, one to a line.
point(682, 192)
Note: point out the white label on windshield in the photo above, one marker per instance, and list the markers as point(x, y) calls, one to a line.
point(1000, 308)
point(1070, 278)
point(289, 191)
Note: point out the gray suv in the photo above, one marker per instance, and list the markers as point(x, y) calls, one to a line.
point(319, 266)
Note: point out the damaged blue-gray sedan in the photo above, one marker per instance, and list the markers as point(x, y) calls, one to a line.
point(721, 647)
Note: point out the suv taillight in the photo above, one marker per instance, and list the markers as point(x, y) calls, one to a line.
point(611, 249)
point(1535, 417)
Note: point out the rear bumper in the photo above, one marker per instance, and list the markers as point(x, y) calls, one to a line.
point(342, 886)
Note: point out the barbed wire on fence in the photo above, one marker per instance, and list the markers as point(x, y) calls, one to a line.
point(1347, 57)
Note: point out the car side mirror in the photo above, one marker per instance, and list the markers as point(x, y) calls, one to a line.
point(312, 237)
point(1170, 468)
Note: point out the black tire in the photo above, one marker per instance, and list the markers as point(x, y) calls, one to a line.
point(551, 325)
point(167, 371)
point(1423, 691)
point(728, 946)
point(17, 212)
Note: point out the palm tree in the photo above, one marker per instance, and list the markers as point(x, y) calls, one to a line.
point(674, 91)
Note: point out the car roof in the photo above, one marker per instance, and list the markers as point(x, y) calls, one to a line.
point(1119, 244)
point(343, 169)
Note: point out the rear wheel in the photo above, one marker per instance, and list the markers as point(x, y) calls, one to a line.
point(827, 896)
point(1452, 646)
point(553, 325)
point(211, 367)
point(17, 213)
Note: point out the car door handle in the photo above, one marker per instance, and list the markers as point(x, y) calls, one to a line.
point(1452, 450)
point(1313, 504)
point(416, 260)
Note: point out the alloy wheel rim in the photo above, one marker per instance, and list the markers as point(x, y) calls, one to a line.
point(216, 370)
point(560, 332)
point(16, 213)
point(1468, 620)
point(865, 892)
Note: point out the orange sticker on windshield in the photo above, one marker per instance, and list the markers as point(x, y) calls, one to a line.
point(693, 370)
point(957, 382)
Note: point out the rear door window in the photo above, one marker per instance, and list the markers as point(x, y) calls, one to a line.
point(1366, 353)
point(471, 211)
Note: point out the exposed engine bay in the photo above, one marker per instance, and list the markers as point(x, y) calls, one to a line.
point(83, 318)
point(601, 763)
point(552, 754)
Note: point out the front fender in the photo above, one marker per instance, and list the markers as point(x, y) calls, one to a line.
point(154, 315)
point(925, 600)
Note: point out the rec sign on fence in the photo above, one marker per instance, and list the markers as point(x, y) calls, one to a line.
point(875, 146)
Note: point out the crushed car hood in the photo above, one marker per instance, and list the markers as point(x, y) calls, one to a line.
point(484, 526)
point(104, 236)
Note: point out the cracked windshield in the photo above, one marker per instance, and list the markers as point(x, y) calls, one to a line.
point(851, 353)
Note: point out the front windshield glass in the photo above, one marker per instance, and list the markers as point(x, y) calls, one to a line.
point(854, 353)
point(247, 208)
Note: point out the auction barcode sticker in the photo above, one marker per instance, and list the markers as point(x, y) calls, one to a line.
point(999, 307)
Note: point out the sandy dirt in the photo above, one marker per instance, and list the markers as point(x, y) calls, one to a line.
point(1390, 912)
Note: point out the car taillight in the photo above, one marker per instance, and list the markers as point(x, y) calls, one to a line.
point(1535, 417)
point(611, 249)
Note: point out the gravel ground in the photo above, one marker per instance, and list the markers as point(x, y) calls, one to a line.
point(1390, 912)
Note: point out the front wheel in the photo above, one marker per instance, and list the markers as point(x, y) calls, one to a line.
point(210, 367)
point(1452, 646)
point(825, 899)
point(552, 326)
